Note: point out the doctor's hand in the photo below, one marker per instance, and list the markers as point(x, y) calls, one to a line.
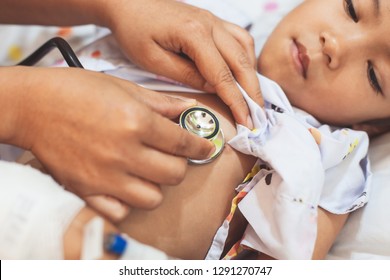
point(189, 45)
point(100, 135)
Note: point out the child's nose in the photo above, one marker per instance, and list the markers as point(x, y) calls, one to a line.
point(331, 49)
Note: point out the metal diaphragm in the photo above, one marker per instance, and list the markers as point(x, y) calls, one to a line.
point(204, 123)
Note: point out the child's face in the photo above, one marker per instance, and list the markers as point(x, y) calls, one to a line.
point(332, 58)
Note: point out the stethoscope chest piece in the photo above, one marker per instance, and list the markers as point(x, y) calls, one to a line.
point(202, 122)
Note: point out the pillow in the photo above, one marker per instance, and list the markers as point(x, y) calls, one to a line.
point(366, 234)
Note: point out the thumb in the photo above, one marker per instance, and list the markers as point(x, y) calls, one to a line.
point(167, 105)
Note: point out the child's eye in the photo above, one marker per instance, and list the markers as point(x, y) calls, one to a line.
point(350, 9)
point(373, 79)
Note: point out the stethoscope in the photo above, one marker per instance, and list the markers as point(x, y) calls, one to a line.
point(204, 123)
point(200, 121)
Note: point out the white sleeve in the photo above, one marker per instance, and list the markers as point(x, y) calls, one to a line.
point(348, 180)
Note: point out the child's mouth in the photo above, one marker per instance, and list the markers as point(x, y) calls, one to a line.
point(300, 57)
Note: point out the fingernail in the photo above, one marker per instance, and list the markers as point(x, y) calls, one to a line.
point(189, 101)
point(249, 123)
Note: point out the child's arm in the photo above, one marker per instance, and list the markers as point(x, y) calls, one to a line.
point(329, 226)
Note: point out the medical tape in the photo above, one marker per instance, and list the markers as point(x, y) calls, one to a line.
point(93, 236)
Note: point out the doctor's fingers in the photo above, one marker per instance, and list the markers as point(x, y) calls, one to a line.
point(134, 191)
point(237, 48)
point(114, 186)
point(174, 65)
point(157, 167)
point(166, 105)
point(216, 56)
point(245, 40)
point(112, 208)
point(166, 136)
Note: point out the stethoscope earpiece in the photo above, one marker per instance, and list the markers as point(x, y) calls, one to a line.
point(202, 122)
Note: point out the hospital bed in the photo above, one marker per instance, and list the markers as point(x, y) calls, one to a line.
point(366, 234)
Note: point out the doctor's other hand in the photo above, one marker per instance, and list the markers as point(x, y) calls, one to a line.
point(98, 135)
point(189, 45)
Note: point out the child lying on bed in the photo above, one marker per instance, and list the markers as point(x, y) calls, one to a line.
point(331, 67)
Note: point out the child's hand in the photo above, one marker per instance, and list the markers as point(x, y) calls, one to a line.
point(96, 136)
point(189, 45)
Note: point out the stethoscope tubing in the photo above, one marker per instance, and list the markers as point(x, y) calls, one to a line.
point(56, 42)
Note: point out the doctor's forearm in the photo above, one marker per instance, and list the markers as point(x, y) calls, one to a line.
point(11, 102)
point(56, 12)
point(24, 104)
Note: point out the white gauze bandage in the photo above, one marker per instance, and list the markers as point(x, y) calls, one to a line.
point(34, 213)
